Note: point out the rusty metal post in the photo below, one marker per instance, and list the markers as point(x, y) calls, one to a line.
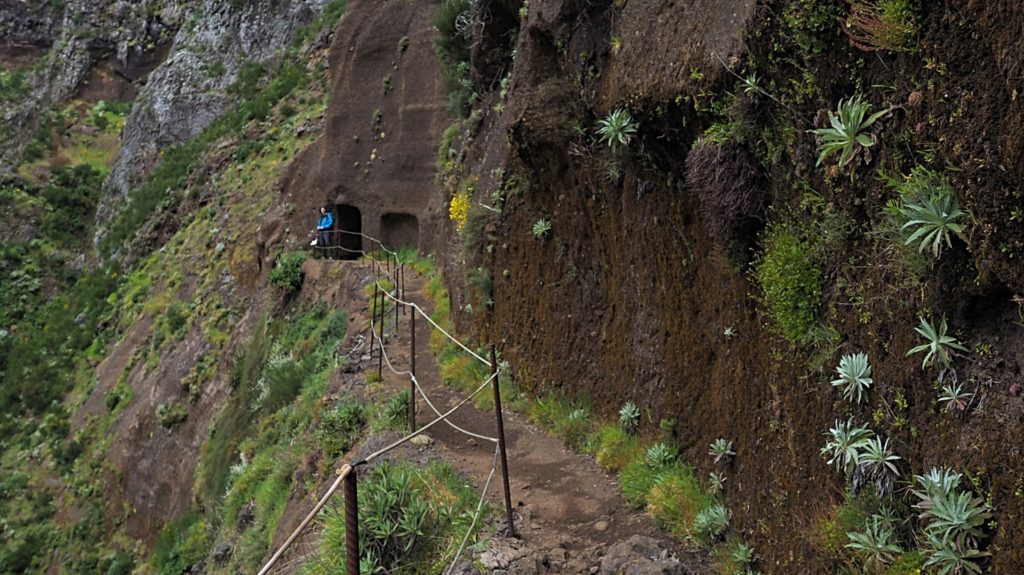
point(398, 296)
point(501, 441)
point(412, 384)
point(373, 317)
point(380, 356)
point(402, 274)
point(351, 525)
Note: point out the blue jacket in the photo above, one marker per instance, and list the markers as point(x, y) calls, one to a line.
point(326, 221)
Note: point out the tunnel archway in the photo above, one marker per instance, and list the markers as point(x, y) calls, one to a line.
point(348, 224)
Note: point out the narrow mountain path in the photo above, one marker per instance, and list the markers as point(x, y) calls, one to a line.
point(568, 510)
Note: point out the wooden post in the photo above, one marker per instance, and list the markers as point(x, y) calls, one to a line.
point(351, 525)
point(501, 441)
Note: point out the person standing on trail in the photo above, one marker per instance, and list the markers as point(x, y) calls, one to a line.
point(323, 230)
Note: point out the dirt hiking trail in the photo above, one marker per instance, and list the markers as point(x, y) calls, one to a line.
point(568, 510)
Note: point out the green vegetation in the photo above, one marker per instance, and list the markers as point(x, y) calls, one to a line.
point(287, 273)
point(845, 444)
point(258, 96)
point(453, 51)
point(541, 228)
point(411, 520)
point(928, 210)
point(938, 345)
point(617, 129)
point(629, 417)
point(790, 278)
point(854, 376)
point(848, 132)
point(883, 25)
point(721, 451)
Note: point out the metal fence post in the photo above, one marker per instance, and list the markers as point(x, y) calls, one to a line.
point(412, 382)
point(501, 441)
point(351, 525)
point(380, 357)
point(373, 317)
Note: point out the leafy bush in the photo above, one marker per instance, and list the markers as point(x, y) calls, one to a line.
point(847, 132)
point(171, 414)
point(287, 273)
point(938, 345)
point(617, 129)
point(407, 516)
point(791, 281)
point(395, 412)
point(453, 44)
point(953, 522)
point(676, 499)
point(854, 376)
point(339, 427)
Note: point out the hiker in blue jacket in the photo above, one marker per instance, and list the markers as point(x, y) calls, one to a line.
point(323, 241)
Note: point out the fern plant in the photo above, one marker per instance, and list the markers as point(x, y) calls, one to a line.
point(932, 220)
point(854, 376)
point(721, 450)
point(937, 344)
point(846, 135)
point(843, 447)
point(876, 544)
point(617, 129)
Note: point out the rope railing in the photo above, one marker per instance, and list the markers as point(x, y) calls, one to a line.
point(347, 474)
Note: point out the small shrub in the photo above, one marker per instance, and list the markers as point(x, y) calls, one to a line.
point(615, 447)
point(629, 418)
point(395, 412)
point(676, 499)
point(854, 376)
point(938, 345)
point(287, 273)
point(617, 129)
point(847, 134)
point(882, 25)
point(339, 428)
point(171, 414)
point(790, 279)
point(636, 481)
point(716, 482)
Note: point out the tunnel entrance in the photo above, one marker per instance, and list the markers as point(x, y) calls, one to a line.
point(400, 230)
point(348, 224)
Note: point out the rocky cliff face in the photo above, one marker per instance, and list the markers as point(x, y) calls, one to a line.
point(189, 90)
point(629, 297)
